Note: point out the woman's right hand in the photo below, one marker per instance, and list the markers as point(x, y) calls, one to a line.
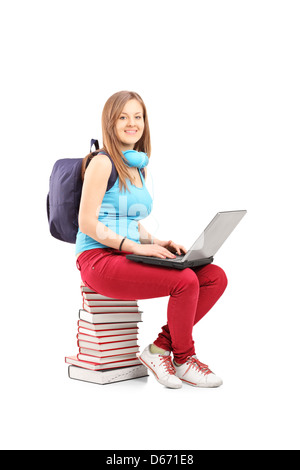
point(152, 250)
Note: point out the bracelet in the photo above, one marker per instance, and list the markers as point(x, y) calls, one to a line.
point(120, 247)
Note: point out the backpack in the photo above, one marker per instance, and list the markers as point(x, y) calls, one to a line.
point(64, 194)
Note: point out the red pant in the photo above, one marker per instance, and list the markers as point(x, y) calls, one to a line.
point(192, 292)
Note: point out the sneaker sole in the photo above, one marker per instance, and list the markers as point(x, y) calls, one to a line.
point(155, 375)
point(202, 385)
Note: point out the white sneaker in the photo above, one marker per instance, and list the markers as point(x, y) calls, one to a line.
point(197, 374)
point(162, 367)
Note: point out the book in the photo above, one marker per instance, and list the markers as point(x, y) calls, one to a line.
point(106, 326)
point(109, 361)
point(122, 331)
point(109, 317)
point(107, 346)
point(105, 339)
point(106, 309)
point(91, 296)
point(94, 366)
point(109, 303)
point(109, 353)
point(84, 288)
point(107, 376)
point(105, 359)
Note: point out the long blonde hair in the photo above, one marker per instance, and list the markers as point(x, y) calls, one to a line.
point(111, 145)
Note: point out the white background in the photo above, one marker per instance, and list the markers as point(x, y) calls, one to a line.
point(220, 80)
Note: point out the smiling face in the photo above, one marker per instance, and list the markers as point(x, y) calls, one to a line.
point(130, 124)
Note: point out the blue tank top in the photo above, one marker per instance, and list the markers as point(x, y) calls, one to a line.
point(120, 211)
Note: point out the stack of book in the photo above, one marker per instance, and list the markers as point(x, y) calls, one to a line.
point(107, 340)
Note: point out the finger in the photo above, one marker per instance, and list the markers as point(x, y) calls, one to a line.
point(182, 248)
point(160, 252)
point(158, 255)
point(177, 249)
point(169, 254)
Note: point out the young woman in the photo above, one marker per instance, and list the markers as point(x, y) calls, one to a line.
point(110, 228)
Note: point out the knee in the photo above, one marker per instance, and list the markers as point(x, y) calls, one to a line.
point(218, 275)
point(189, 277)
point(187, 280)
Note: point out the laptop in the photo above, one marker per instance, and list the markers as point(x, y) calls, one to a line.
point(204, 248)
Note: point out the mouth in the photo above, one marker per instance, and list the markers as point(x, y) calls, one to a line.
point(130, 132)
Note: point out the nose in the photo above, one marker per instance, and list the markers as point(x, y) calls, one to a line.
point(131, 122)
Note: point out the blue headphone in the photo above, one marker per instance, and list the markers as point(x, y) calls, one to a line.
point(134, 158)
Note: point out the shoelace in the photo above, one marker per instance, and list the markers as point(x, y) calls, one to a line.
point(203, 368)
point(167, 362)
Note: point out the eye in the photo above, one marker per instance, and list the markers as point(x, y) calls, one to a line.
point(122, 117)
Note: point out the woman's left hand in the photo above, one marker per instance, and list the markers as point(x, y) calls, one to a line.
point(173, 247)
